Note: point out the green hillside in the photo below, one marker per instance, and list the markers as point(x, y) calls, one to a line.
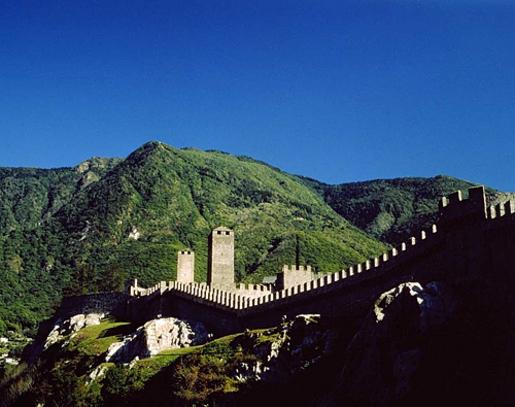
point(78, 233)
point(172, 199)
point(29, 196)
point(391, 210)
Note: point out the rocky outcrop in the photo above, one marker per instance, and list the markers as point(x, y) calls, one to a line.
point(286, 350)
point(385, 356)
point(11, 347)
point(156, 336)
point(97, 373)
point(134, 234)
point(65, 329)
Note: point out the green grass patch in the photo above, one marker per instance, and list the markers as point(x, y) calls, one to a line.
point(146, 368)
point(95, 340)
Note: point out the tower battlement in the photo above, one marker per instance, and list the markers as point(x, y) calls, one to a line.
point(454, 208)
point(294, 275)
point(294, 268)
point(222, 231)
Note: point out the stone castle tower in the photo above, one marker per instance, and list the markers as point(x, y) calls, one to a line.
point(185, 266)
point(220, 272)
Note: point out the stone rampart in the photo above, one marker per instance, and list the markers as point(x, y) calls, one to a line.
point(321, 295)
point(294, 275)
point(478, 245)
point(252, 290)
point(108, 303)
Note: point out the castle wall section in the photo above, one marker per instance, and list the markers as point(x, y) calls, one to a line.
point(252, 290)
point(294, 275)
point(112, 303)
point(465, 253)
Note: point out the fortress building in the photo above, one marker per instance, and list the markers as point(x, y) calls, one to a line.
point(221, 275)
point(185, 266)
point(471, 246)
point(220, 271)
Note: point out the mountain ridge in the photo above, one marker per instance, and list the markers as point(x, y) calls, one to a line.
point(130, 221)
point(93, 226)
point(392, 209)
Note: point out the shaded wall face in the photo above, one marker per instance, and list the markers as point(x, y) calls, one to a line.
point(109, 303)
point(185, 267)
point(221, 259)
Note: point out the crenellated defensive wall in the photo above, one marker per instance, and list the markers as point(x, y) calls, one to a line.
point(470, 243)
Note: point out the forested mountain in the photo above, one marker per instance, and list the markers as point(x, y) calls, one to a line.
point(392, 209)
point(93, 227)
point(29, 196)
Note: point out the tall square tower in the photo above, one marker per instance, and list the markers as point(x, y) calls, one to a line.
point(185, 266)
point(220, 271)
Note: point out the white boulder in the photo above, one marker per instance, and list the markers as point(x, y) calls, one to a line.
point(156, 336)
point(69, 327)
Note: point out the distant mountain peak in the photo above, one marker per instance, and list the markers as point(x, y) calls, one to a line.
point(149, 149)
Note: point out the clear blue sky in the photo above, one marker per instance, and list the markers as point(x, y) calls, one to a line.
point(339, 91)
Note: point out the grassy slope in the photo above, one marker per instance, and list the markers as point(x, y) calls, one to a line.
point(62, 375)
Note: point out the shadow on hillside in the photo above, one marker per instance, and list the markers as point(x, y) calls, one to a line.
point(204, 378)
point(119, 331)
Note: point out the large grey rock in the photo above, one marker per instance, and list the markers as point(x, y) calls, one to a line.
point(385, 355)
point(156, 336)
point(434, 303)
point(64, 330)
